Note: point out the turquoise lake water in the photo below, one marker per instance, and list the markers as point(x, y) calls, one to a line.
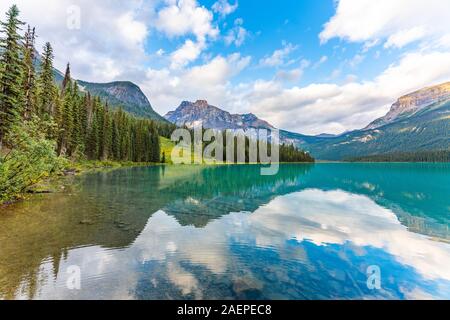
point(226, 232)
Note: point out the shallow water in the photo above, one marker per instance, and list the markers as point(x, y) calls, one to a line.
point(226, 232)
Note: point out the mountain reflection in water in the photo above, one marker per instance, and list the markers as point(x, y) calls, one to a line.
point(227, 232)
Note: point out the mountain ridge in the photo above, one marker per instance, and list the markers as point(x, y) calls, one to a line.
point(411, 103)
point(192, 114)
point(419, 121)
point(124, 94)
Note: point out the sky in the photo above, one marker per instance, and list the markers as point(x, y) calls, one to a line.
point(312, 67)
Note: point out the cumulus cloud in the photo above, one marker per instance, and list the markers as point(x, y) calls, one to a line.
point(292, 75)
point(224, 8)
point(398, 22)
point(237, 34)
point(188, 52)
point(312, 109)
point(185, 17)
point(110, 45)
point(110, 32)
point(403, 37)
point(336, 108)
point(279, 56)
point(206, 81)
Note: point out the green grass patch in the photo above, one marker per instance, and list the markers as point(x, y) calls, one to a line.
point(166, 148)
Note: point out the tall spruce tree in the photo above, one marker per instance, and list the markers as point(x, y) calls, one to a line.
point(107, 134)
point(67, 77)
point(46, 83)
point(76, 142)
point(115, 138)
point(92, 140)
point(29, 84)
point(11, 67)
point(66, 125)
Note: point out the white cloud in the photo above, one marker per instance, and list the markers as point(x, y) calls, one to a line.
point(356, 60)
point(289, 75)
point(208, 81)
point(336, 108)
point(224, 8)
point(293, 75)
point(313, 109)
point(111, 32)
point(188, 52)
point(279, 56)
point(403, 37)
point(399, 22)
point(185, 17)
point(111, 45)
point(129, 28)
point(237, 34)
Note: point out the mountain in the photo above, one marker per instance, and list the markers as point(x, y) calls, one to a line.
point(326, 135)
point(412, 103)
point(193, 114)
point(419, 121)
point(124, 94)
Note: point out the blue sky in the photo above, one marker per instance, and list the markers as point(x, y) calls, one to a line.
point(270, 27)
point(306, 66)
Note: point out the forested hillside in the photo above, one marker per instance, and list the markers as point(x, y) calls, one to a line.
point(43, 124)
point(426, 131)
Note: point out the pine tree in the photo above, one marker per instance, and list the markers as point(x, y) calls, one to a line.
point(67, 77)
point(107, 135)
point(92, 140)
point(29, 73)
point(99, 112)
point(83, 116)
point(11, 67)
point(65, 143)
point(46, 84)
point(155, 145)
point(115, 138)
point(76, 138)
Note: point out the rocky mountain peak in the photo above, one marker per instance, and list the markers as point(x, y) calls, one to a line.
point(250, 117)
point(410, 104)
point(201, 103)
point(202, 113)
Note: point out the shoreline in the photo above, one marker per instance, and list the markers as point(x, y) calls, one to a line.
point(61, 180)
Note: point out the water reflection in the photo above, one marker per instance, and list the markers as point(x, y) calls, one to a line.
point(227, 232)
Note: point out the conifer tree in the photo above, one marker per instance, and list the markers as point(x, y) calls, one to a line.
point(107, 134)
point(29, 85)
point(155, 145)
point(83, 116)
point(46, 83)
point(67, 77)
point(115, 138)
point(92, 140)
point(76, 137)
point(11, 67)
point(65, 145)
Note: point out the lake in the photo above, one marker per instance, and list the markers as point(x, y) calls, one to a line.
point(225, 232)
